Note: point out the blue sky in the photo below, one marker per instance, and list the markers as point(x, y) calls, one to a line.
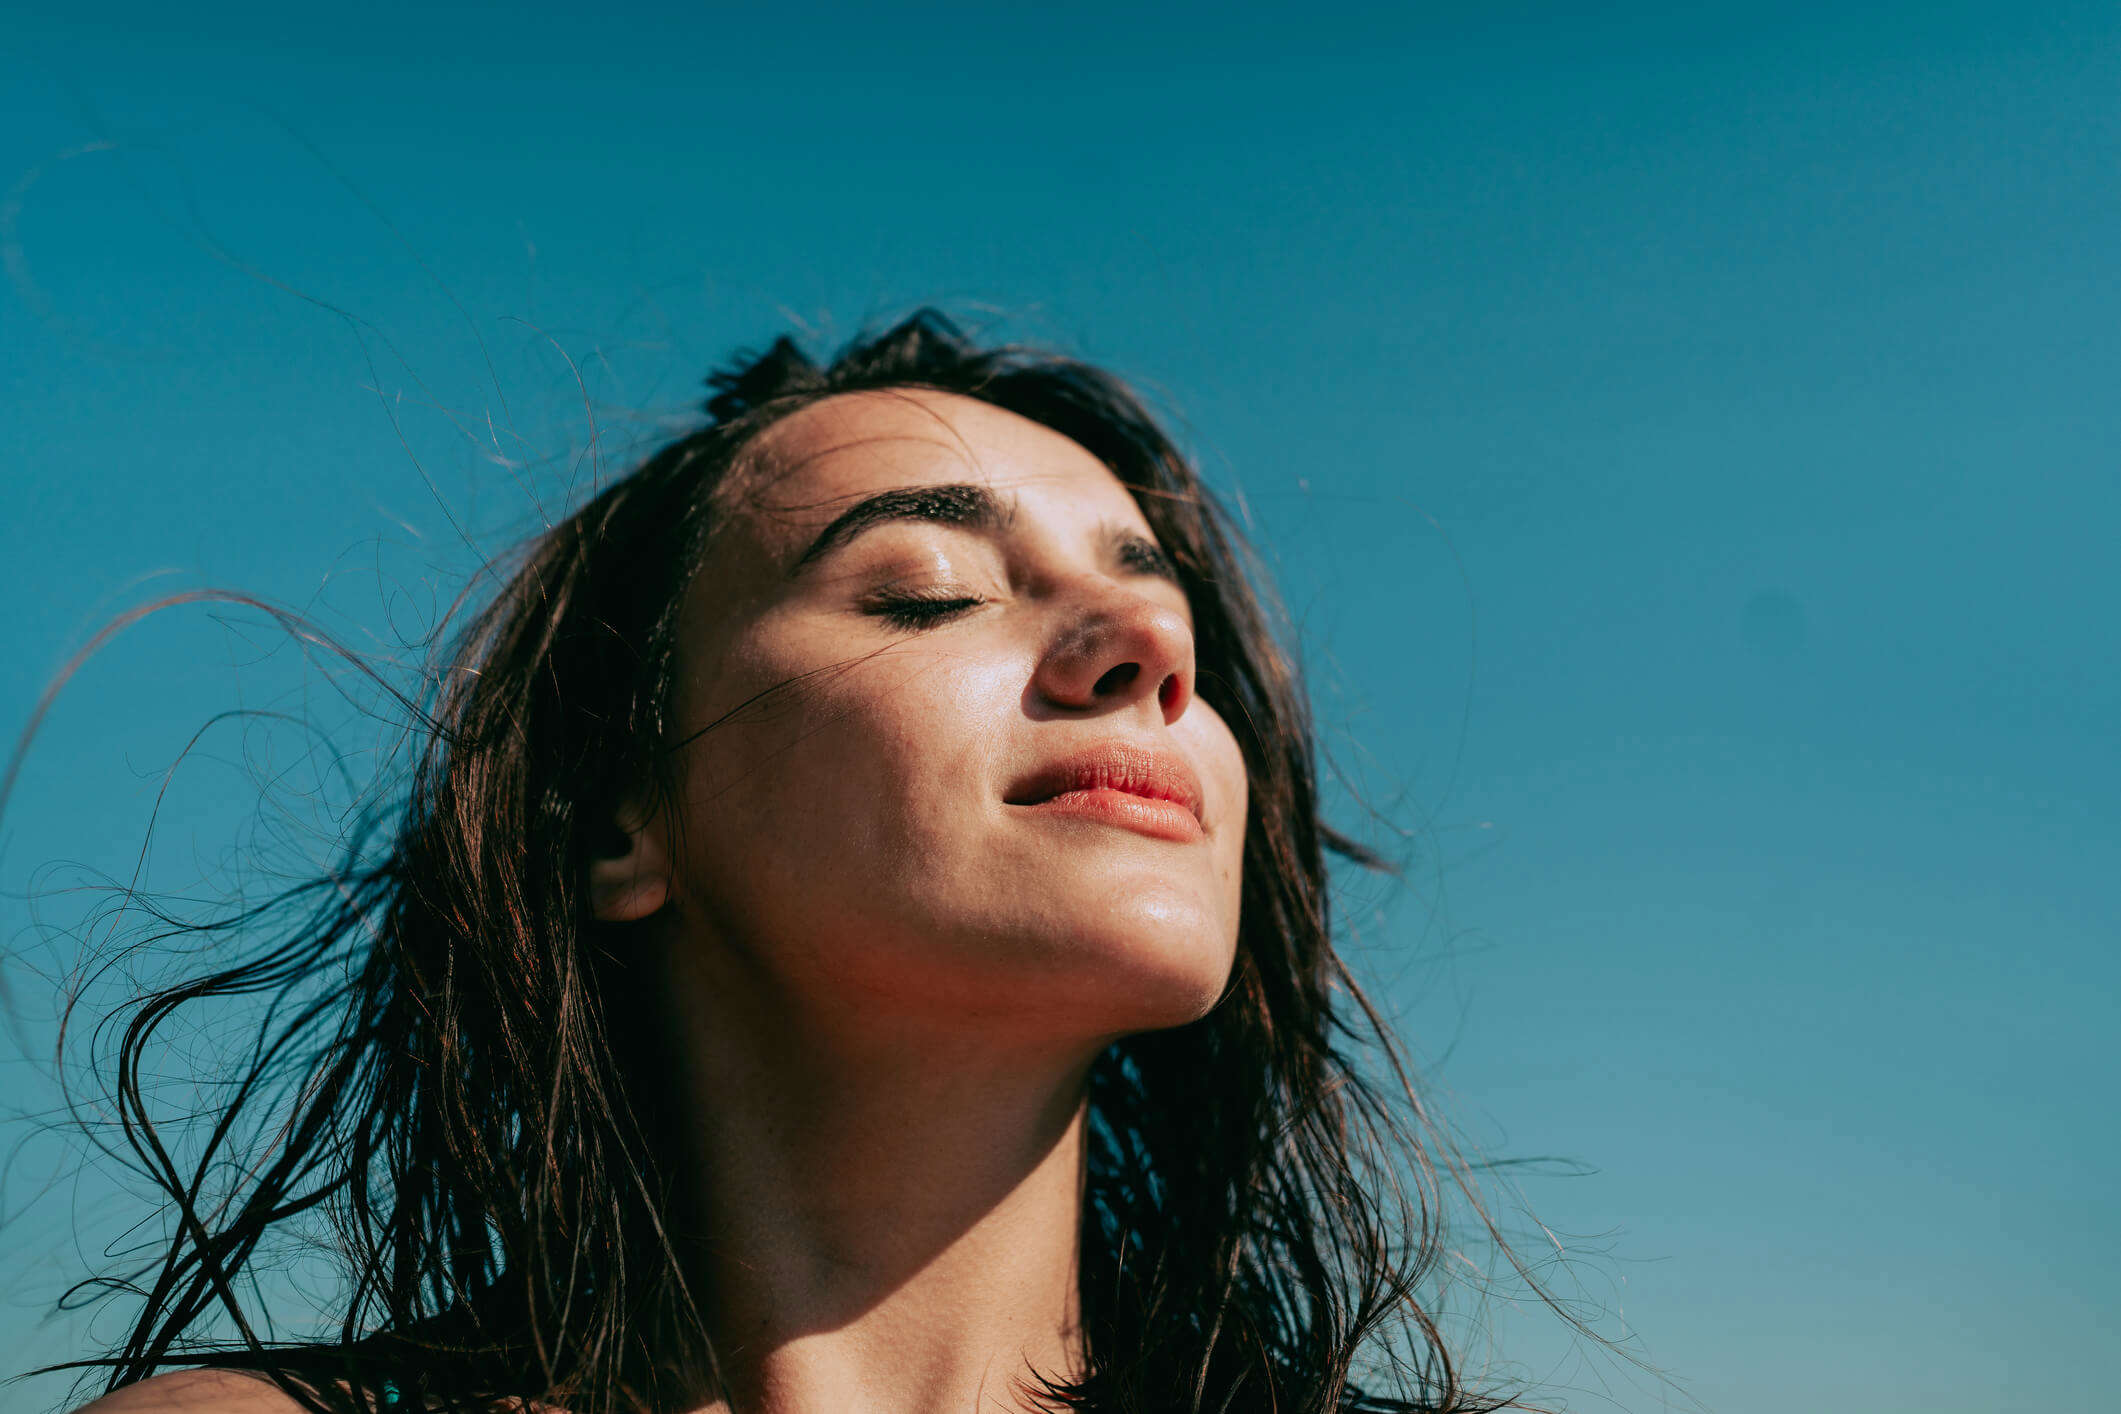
point(1684, 436)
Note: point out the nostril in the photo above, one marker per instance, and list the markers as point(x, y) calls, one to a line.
point(1167, 693)
point(1116, 680)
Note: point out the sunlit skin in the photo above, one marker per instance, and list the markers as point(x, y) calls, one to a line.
point(886, 978)
point(901, 977)
point(848, 834)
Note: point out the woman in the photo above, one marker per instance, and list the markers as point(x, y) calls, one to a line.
point(856, 939)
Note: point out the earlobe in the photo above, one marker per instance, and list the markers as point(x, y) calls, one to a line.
point(635, 882)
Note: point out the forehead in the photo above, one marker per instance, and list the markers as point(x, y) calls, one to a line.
point(806, 469)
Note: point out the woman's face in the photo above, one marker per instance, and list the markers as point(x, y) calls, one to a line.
point(945, 761)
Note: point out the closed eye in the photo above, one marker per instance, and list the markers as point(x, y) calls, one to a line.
point(909, 610)
point(1141, 555)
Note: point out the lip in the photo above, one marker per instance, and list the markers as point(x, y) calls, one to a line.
point(1117, 783)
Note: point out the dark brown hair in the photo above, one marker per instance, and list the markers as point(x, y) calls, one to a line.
point(449, 1092)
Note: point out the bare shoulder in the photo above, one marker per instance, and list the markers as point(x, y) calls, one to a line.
point(196, 1392)
point(229, 1392)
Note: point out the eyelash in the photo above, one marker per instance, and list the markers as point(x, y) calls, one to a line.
point(904, 610)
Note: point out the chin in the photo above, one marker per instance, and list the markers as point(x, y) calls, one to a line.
point(1155, 975)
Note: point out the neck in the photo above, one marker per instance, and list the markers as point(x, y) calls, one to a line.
point(887, 1222)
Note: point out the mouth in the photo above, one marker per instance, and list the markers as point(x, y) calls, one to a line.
point(1118, 783)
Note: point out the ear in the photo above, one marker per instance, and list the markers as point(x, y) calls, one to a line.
point(629, 878)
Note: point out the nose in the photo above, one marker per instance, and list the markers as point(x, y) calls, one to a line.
point(1119, 647)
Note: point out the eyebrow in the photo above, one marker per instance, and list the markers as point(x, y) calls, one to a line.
point(975, 508)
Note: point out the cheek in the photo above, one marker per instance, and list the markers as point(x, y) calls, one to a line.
point(840, 784)
point(1222, 765)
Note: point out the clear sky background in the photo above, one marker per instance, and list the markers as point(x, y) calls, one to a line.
point(1685, 435)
